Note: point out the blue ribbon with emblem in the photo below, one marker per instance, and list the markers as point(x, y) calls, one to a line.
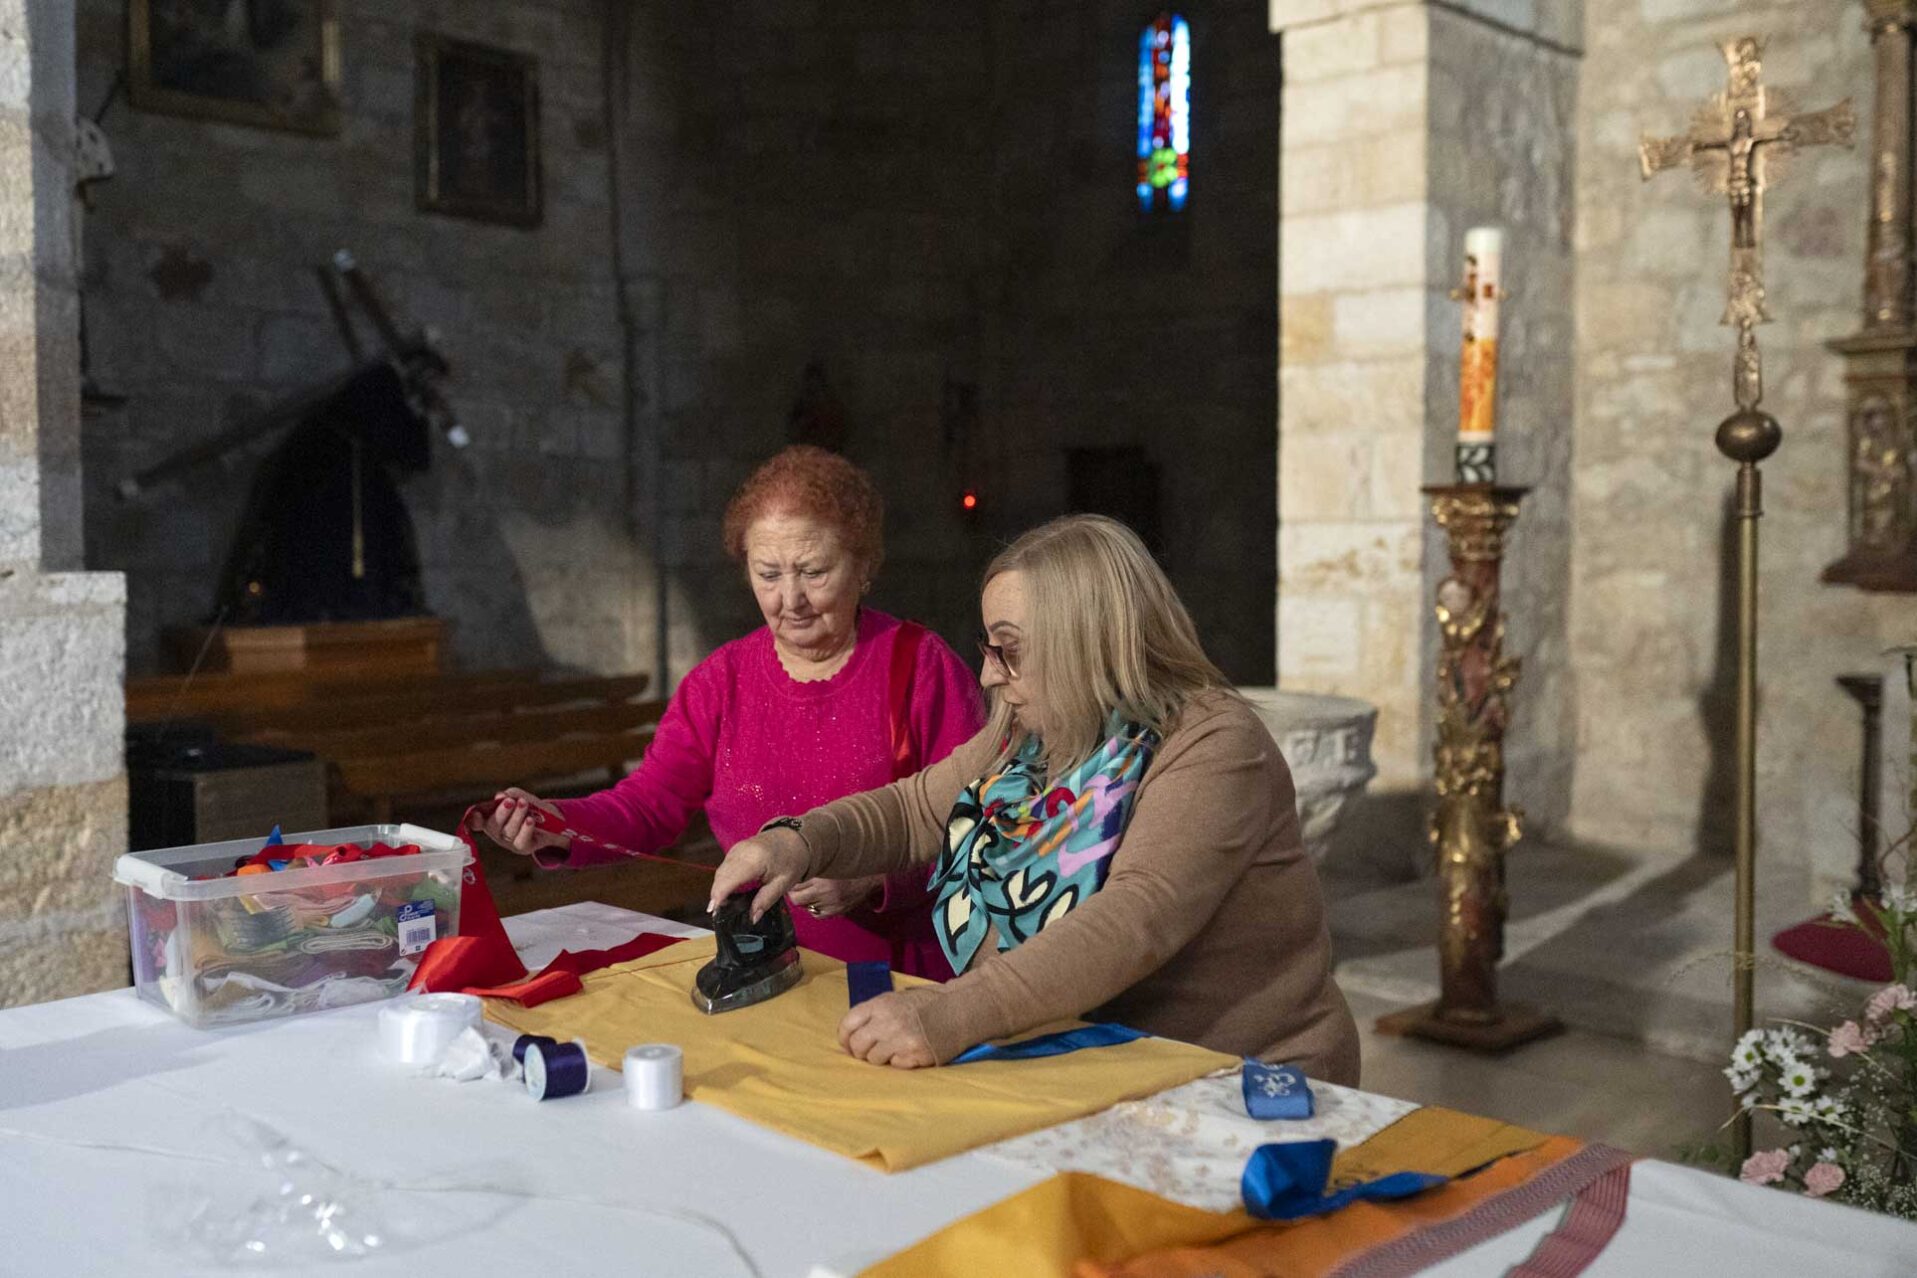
point(1277, 1091)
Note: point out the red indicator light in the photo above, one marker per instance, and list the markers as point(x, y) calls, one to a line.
point(969, 501)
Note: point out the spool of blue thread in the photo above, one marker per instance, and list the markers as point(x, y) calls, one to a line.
point(524, 1041)
point(555, 1070)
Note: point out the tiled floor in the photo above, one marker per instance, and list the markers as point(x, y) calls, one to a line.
point(1632, 953)
point(1580, 1084)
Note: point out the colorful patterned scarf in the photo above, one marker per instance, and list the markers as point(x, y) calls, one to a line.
point(1017, 860)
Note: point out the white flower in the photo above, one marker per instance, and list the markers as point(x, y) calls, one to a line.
point(1898, 899)
point(1745, 1055)
point(1786, 1046)
point(1827, 1154)
point(1742, 1081)
point(1831, 1110)
point(1786, 1062)
point(1798, 1080)
point(1840, 907)
point(1794, 1111)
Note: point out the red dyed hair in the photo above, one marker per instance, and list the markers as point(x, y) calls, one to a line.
point(814, 484)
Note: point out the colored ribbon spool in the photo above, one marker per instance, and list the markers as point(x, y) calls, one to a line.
point(524, 1041)
point(655, 1076)
point(867, 980)
point(416, 1029)
point(557, 1070)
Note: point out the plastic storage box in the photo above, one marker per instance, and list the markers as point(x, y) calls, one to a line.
point(216, 949)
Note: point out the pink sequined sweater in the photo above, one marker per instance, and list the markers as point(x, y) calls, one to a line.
point(747, 742)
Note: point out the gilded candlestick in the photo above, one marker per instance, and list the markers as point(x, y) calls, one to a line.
point(1472, 828)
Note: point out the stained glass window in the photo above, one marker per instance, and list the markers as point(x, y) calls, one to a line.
point(1164, 113)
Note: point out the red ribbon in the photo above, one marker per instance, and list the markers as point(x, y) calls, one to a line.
point(329, 853)
point(905, 654)
point(481, 959)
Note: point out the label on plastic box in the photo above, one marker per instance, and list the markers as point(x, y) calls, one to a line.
point(418, 928)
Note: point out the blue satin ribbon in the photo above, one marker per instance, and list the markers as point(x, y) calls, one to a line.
point(1287, 1182)
point(1071, 1040)
point(867, 980)
point(1277, 1091)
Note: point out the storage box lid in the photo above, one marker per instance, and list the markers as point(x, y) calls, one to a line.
point(180, 874)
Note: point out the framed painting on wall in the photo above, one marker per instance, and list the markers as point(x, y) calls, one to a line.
point(476, 121)
point(273, 64)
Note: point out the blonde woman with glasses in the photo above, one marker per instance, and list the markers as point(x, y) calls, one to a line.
point(1120, 843)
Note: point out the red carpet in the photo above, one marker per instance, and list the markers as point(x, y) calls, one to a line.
point(1848, 949)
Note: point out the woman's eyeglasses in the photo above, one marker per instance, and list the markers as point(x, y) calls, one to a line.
point(1007, 661)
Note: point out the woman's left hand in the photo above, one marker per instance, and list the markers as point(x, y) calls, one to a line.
point(829, 898)
point(885, 1031)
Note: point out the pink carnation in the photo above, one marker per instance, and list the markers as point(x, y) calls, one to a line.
point(1765, 1168)
point(1849, 1039)
point(1892, 998)
point(1822, 1179)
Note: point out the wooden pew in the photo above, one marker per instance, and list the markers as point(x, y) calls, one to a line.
point(489, 727)
point(422, 748)
point(156, 698)
point(422, 700)
point(481, 767)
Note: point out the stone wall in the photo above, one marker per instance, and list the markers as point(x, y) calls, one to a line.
point(202, 307)
point(62, 788)
point(1105, 329)
point(934, 204)
point(1653, 626)
point(1404, 125)
point(807, 189)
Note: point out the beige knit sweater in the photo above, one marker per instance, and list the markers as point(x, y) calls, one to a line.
point(1210, 928)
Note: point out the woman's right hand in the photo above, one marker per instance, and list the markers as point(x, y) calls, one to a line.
point(512, 826)
point(776, 858)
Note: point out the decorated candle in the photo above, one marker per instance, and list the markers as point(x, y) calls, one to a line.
point(1478, 369)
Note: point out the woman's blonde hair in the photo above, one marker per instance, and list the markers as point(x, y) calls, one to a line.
point(1107, 632)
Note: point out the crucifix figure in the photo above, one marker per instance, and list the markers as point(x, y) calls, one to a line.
point(1737, 146)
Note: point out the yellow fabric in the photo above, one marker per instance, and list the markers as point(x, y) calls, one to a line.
point(1080, 1223)
point(1047, 1229)
point(779, 1063)
point(1442, 1142)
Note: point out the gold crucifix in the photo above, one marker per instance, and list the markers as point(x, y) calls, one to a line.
point(1738, 146)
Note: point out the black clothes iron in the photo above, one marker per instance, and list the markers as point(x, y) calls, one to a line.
point(756, 961)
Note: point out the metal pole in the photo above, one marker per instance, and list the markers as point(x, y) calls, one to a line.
point(1747, 437)
point(1750, 507)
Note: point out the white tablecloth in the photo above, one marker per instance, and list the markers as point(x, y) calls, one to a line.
point(128, 1139)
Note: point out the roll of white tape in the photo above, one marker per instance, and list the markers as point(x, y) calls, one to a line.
point(415, 1029)
point(655, 1076)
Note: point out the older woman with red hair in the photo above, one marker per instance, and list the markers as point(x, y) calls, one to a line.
point(829, 698)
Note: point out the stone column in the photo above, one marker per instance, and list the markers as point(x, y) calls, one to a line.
point(62, 643)
point(1404, 124)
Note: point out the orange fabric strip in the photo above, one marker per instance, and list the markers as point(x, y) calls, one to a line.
point(1077, 1225)
point(1318, 1247)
